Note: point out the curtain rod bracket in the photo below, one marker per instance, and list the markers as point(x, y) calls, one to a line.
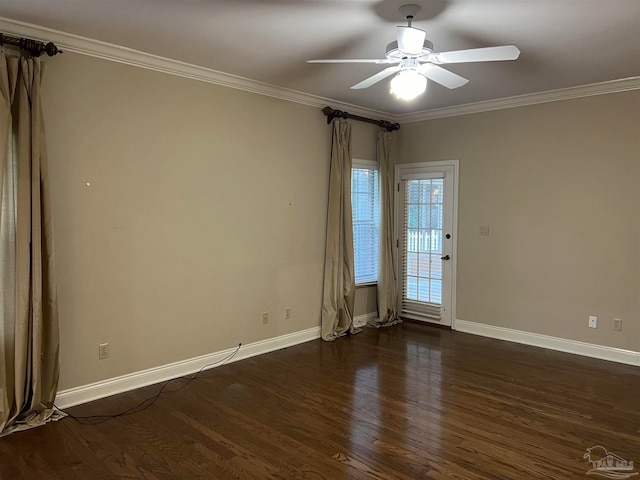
point(332, 113)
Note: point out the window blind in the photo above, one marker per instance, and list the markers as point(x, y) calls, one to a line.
point(365, 200)
point(421, 246)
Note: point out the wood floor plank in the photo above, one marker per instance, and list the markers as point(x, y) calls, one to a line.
point(403, 403)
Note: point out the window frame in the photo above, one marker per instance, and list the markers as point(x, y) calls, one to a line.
point(364, 164)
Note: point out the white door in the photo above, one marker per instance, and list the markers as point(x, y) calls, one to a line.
point(426, 213)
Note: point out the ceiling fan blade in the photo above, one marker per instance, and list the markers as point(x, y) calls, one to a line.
point(354, 60)
point(489, 54)
point(410, 40)
point(377, 77)
point(442, 76)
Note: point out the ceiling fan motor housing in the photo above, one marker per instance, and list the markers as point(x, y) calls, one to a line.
point(393, 53)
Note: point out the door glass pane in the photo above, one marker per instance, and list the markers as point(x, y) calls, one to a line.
point(412, 240)
point(425, 212)
point(436, 266)
point(423, 289)
point(412, 192)
point(425, 192)
point(436, 191)
point(413, 216)
point(435, 292)
point(412, 264)
point(436, 216)
point(436, 241)
point(423, 240)
point(412, 288)
point(423, 264)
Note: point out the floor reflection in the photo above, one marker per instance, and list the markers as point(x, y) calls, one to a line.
point(398, 400)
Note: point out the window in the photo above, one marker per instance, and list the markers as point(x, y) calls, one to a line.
point(365, 200)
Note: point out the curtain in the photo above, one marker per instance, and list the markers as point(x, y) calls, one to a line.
point(386, 289)
point(339, 280)
point(28, 307)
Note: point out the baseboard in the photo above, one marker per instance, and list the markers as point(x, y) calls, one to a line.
point(94, 391)
point(601, 352)
point(112, 386)
point(362, 320)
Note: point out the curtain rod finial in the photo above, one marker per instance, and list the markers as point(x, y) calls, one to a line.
point(51, 49)
point(34, 48)
point(331, 114)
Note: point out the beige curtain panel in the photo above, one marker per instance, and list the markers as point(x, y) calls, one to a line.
point(28, 308)
point(339, 279)
point(387, 276)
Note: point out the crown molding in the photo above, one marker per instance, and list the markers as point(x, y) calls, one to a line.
point(108, 51)
point(69, 42)
point(602, 88)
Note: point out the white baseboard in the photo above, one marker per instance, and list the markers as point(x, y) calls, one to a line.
point(362, 320)
point(105, 388)
point(612, 354)
point(94, 391)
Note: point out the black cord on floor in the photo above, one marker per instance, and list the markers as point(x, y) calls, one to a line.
point(147, 402)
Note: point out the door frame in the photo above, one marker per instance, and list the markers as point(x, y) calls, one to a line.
point(401, 168)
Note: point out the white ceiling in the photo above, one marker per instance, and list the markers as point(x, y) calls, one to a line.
point(564, 43)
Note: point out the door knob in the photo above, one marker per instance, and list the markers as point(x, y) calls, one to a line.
point(446, 257)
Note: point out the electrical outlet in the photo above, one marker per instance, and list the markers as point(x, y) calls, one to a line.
point(593, 321)
point(484, 230)
point(103, 351)
point(617, 324)
point(287, 313)
point(265, 318)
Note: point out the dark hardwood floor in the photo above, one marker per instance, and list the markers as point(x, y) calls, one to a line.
point(402, 403)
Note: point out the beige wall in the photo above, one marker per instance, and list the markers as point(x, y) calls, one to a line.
point(558, 185)
point(207, 207)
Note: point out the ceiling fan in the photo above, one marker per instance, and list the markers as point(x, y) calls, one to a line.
point(415, 61)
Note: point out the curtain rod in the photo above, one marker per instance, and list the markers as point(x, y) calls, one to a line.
point(331, 114)
point(34, 48)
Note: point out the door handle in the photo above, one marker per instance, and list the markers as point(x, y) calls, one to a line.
point(446, 257)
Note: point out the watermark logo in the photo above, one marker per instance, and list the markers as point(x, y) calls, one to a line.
point(608, 464)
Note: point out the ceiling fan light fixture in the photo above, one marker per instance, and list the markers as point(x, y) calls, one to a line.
point(408, 84)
